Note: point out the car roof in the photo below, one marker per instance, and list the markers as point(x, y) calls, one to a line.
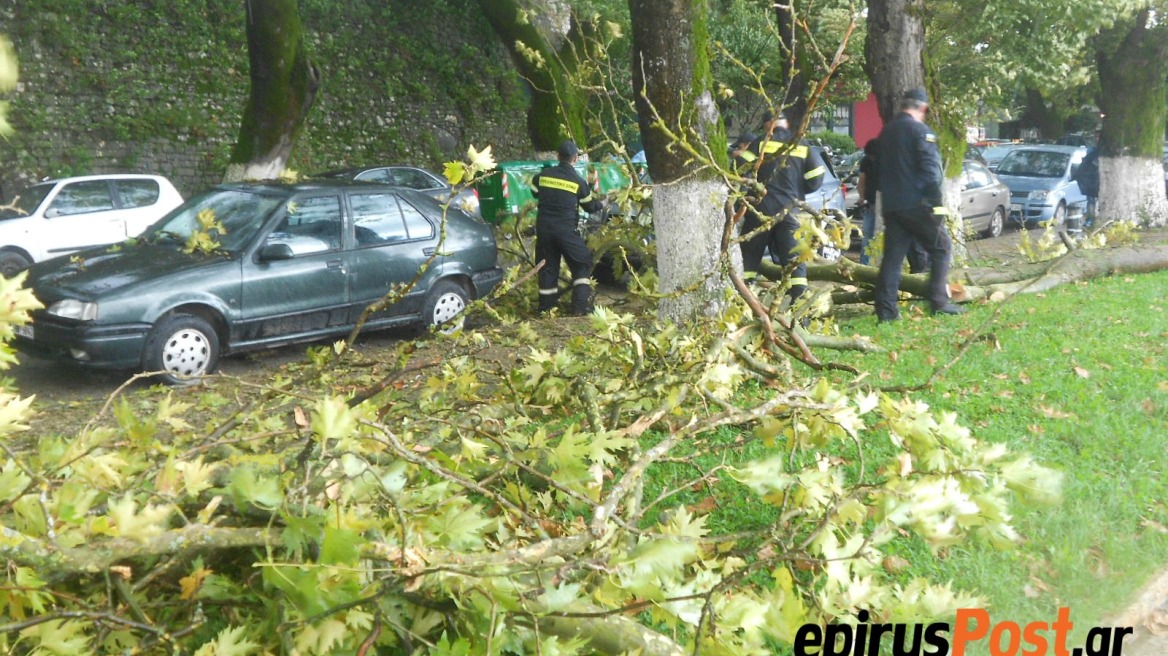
point(352, 170)
point(104, 176)
point(311, 184)
point(1055, 148)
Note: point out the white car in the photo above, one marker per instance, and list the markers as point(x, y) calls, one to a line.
point(57, 217)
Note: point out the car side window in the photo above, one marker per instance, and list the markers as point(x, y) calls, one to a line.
point(413, 179)
point(377, 219)
point(81, 198)
point(416, 222)
point(310, 225)
point(375, 175)
point(137, 193)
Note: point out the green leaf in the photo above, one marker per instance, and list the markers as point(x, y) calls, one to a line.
point(341, 546)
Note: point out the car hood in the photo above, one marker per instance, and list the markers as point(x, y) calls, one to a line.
point(96, 272)
point(1019, 184)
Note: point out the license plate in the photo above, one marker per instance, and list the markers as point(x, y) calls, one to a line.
point(1015, 207)
point(23, 331)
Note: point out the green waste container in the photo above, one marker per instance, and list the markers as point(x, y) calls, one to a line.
point(507, 189)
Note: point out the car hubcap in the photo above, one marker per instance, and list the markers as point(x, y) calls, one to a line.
point(447, 308)
point(186, 353)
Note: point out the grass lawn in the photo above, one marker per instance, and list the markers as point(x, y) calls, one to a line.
point(1078, 377)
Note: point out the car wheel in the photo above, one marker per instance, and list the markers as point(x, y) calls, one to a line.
point(12, 263)
point(1060, 215)
point(444, 307)
point(997, 221)
point(183, 347)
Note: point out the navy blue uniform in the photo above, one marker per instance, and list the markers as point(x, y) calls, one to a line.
point(560, 189)
point(789, 171)
point(910, 176)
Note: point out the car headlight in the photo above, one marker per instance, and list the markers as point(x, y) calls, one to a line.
point(1039, 194)
point(71, 308)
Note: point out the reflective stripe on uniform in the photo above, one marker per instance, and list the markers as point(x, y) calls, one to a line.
point(582, 281)
point(931, 138)
point(587, 198)
point(749, 275)
point(772, 147)
point(943, 211)
point(556, 183)
point(799, 281)
point(747, 156)
point(813, 173)
point(549, 292)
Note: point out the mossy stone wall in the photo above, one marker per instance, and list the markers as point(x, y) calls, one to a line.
point(158, 86)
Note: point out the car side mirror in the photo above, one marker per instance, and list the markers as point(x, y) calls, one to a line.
point(275, 252)
point(52, 213)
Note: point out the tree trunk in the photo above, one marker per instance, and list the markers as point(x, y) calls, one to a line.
point(795, 93)
point(546, 28)
point(1131, 59)
point(1040, 116)
point(678, 120)
point(283, 88)
point(893, 51)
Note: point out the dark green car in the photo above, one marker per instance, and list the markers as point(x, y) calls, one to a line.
point(251, 266)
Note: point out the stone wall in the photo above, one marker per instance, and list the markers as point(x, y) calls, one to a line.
point(157, 86)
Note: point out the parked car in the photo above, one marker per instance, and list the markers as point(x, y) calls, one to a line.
point(993, 154)
point(278, 264)
point(1041, 183)
point(984, 199)
point(57, 217)
point(412, 177)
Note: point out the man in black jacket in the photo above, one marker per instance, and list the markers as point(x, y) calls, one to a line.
point(910, 178)
point(560, 189)
point(789, 171)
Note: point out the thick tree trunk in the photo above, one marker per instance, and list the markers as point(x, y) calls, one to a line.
point(679, 119)
point(544, 27)
point(1131, 59)
point(894, 50)
point(283, 88)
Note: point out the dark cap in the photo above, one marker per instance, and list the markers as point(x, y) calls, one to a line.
point(745, 137)
point(917, 94)
point(567, 149)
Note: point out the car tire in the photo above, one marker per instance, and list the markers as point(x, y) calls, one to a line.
point(1060, 215)
point(183, 347)
point(445, 307)
point(997, 222)
point(12, 263)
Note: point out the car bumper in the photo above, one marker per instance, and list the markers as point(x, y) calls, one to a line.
point(116, 346)
point(486, 281)
point(1027, 211)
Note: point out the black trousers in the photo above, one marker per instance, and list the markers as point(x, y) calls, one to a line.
point(782, 245)
point(754, 247)
point(901, 229)
point(554, 243)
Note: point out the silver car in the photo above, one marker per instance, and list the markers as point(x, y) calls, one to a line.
point(412, 177)
point(984, 199)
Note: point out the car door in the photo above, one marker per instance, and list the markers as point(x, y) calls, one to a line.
point(81, 214)
point(307, 293)
point(978, 196)
point(137, 200)
point(392, 239)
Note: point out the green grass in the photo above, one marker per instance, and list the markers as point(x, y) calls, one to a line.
point(1078, 377)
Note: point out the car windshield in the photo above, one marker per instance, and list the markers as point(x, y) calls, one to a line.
point(26, 201)
point(235, 216)
point(997, 152)
point(1035, 164)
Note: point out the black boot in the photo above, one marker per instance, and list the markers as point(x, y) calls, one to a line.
point(581, 299)
point(547, 301)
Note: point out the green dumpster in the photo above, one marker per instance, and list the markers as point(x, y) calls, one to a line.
point(507, 189)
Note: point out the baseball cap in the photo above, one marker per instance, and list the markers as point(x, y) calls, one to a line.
point(917, 94)
point(567, 149)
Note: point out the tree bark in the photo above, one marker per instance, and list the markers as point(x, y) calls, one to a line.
point(681, 127)
point(1131, 59)
point(284, 84)
point(557, 110)
point(893, 51)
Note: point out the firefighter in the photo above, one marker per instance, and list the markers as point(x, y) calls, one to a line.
point(559, 190)
point(910, 178)
point(789, 171)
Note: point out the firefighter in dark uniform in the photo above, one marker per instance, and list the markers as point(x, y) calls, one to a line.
point(910, 177)
point(559, 190)
point(789, 171)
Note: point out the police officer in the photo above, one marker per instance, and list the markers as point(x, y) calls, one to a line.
point(789, 171)
point(559, 190)
point(910, 178)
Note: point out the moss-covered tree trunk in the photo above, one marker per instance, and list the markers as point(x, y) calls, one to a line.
point(1132, 58)
point(547, 59)
point(678, 117)
point(795, 91)
point(283, 87)
point(894, 51)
